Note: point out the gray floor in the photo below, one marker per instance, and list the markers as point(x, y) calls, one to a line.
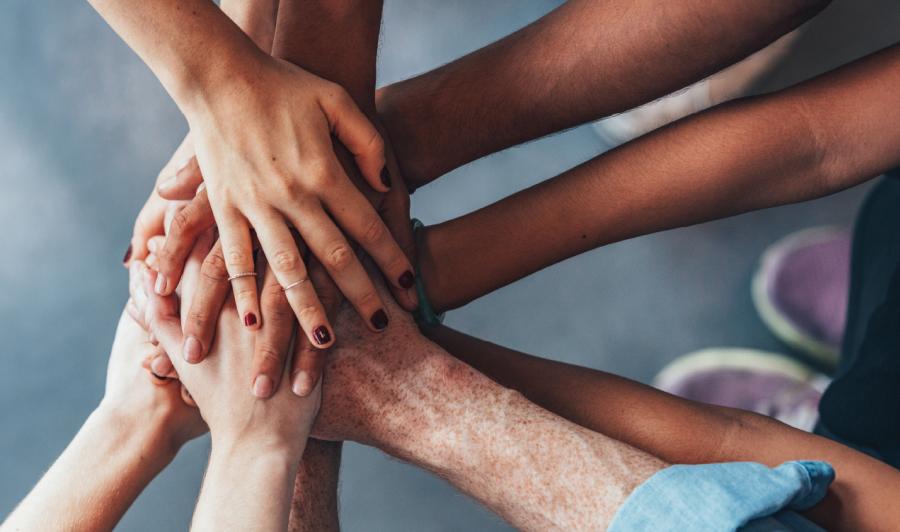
point(84, 128)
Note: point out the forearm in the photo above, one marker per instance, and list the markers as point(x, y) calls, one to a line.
point(246, 488)
point(336, 40)
point(457, 423)
point(190, 45)
point(314, 507)
point(97, 477)
point(808, 141)
point(682, 431)
point(582, 61)
point(255, 17)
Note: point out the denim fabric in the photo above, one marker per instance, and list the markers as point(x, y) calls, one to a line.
point(729, 496)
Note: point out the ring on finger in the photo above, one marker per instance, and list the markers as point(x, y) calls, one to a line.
point(292, 285)
point(242, 274)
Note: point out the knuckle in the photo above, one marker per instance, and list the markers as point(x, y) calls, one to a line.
point(267, 354)
point(374, 231)
point(320, 174)
point(308, 313)
point(369, 299)
point(236, 257)
point(214, 268)
point(182, 222)
point(198, 319)
point(375, 145)
point(285, 260)
point(245, 292)
point(339, 258)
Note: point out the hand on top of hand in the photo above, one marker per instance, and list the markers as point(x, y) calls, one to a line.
point(263, 143)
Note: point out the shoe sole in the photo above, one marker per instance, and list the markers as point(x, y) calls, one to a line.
point(779, 324)
point(734, 358)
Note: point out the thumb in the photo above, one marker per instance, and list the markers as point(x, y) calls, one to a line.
point(183, 185)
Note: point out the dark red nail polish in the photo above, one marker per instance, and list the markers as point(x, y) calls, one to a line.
point(321, 335)
point(385, 177)
point(407, 280)
point(127, 255)
point(250, 319)
point(379, 320)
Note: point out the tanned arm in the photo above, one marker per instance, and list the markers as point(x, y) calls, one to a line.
point(585, 60)
point(816, 138)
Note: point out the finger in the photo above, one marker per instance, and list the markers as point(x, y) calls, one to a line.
point(155, 244)
point(273, 339)
point(187, 224)
point(360, 137)
point(308, 361)
point(187, 397)
point(332, 249)
point(395, 213)
point(205, 304)
point(237, 247)
point(286, 264)
point(148, 224)
point(360, 220)
point(164, 323)
point(183, 185)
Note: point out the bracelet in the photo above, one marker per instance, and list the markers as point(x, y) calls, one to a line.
point(424, 313)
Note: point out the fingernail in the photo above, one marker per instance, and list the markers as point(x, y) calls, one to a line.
point(379, 320)
point(193, 350)
point(127, 255)
point(166, 184)
point(385, 177)
point(262, 386)
point(302, 384)
point(407, 280)
point(151, 246)
point(160, 366)
point(250, 319)
point(321, 335)
point(160, 287)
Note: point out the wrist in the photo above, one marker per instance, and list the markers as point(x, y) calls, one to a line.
point(236, 69)
point(148, 437)
point(401, 117)
point(238, 446)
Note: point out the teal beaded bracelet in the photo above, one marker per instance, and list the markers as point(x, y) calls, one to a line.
point(424, 314)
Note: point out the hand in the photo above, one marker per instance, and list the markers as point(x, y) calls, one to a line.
point(276, 331)
point(133, 395)
point(264, 147)
point(149, 222)
point(218, 385)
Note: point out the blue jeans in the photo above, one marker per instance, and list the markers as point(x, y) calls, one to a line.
point(731, 496)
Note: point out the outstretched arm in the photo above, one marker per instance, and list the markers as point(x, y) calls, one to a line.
point(132, 435)
point(816, 138)
point(581, 62)
point(682, 431)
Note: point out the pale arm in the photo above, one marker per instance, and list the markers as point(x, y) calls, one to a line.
point(816, 138)
point(97, 478)
point(682, 431)
point(585, 60)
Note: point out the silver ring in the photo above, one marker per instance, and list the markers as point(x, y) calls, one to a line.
point(292, 285)
point(242, 274)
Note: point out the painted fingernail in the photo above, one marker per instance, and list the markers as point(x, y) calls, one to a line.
point(262, 386)
point(321, 335)
point(407, 280)
point(379, 320)
point(193, 350)
point(161, 366)
point(127, 255)
point(302, 384)
point(250, 319)
point(160, 287)
point(385, 177)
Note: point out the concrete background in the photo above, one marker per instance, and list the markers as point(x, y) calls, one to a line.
point(84, 128)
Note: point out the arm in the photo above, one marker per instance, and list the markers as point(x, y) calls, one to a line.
point(262, 131)
point(581, 62)
point(682, 431)
point(314, 507)
point(816, 138)
point(132, 436)
point(405, 395)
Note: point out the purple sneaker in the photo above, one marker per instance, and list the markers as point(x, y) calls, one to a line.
point(766, 383)
point(800, 290)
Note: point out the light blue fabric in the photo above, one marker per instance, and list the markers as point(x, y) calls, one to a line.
point(732, 496)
